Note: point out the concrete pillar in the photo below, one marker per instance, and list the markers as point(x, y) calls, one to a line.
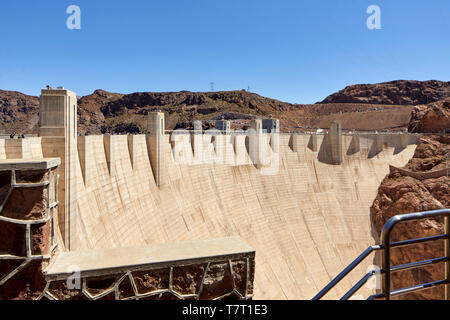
point(294, 142)
point(255, 142)
point(155, 145)
point(256, 124)
point(336, 142)
point(58, 131)
point(223, 143)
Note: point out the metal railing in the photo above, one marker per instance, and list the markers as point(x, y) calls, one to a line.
point(386, 271)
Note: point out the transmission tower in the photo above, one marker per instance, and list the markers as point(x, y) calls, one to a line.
point(212, 86)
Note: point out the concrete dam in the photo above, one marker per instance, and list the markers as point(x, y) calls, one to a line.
point(161, 194)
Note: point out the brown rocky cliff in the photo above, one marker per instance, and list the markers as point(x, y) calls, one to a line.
point(399, 194)
point(434, 117)
point(399, 92)
point(90, 117)
point(18, 113)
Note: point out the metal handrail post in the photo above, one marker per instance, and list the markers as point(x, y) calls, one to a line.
point(447, 254)
point(385, 238)
point(386, 257)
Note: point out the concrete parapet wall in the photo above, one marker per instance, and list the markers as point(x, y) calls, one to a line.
point(29, 148)
point(194, 270)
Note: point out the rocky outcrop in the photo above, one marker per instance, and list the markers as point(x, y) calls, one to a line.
point(400, 92)
point(399, 193)
point(90, 117)
point(433, 118)
point(18, 112)
point(182, 108)
point(213, 101)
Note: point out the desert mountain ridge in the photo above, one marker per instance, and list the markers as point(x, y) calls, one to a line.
point(361, 107)
point(399, 92)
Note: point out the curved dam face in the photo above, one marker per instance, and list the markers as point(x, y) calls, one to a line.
point(306, 222)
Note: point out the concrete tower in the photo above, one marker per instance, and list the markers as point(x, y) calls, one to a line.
point(336, 142)
point(155, 142)
point(255, 142)
point(58, 131)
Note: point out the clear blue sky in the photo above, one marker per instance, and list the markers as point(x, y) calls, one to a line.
point(294, 50)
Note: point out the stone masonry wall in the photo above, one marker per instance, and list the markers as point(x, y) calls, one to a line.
point(229, 279)
point(28, 211)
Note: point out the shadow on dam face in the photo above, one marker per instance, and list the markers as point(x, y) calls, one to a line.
point(355, 146)
point(324, 155)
